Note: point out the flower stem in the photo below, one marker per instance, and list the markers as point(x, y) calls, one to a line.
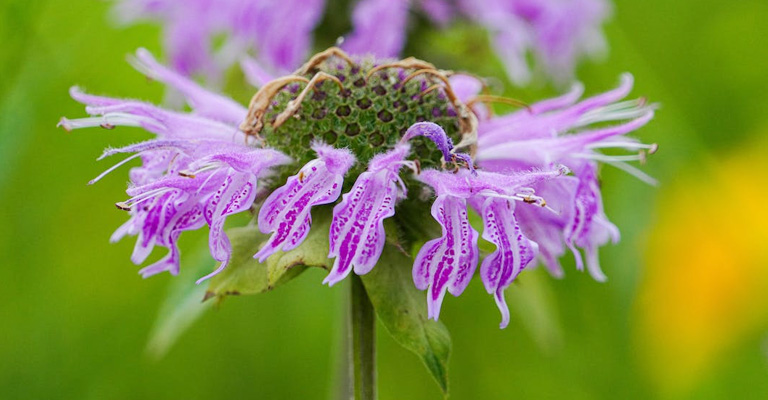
point(363, 335)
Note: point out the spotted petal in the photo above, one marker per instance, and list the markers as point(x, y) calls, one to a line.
point(235, 194)
point(447, 263)
point(357, 229)
point(589, 228)
point(513, 251)
point(188, 216)
point(286, 212)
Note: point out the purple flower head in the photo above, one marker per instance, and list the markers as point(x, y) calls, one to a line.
point(356, 129)
point(278, 33)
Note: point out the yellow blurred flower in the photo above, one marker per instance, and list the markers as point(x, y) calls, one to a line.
point(705, 289)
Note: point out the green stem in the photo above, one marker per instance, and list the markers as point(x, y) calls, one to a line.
point(363, 335)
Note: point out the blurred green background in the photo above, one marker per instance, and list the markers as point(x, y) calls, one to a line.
point(684, 314)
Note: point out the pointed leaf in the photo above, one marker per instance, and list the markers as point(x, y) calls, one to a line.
point(403, 310)
point(245, 275)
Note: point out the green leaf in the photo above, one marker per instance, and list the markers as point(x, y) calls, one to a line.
point(402, 309)
point(245, 275)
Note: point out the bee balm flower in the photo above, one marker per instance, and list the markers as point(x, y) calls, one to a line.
point(373, 133)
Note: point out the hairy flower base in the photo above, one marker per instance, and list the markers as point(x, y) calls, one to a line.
point(385, 136)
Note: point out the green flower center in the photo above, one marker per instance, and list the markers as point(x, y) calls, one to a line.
point(367, 111)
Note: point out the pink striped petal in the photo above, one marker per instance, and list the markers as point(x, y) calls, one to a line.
point(513, 251)
point(357, 230)
point(286, 212)
point(447, 263)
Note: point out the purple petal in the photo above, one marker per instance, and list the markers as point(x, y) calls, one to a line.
point(255, 73)
point(522, 118)
point(236, 194)
point(465, 86)
point(280, 46)
point(152, 221)
point(439, 11)
point(286, 212)
point(357, 230)
point(249, 160)
point(545, 227)
point(589, 227)
point(543, 151)
point(379, 28)
point(447, 263)
point(188, 217)
point(557, 33)
point(555, 117)
point(204, 102)
point(513, 251)
point(466, 184)
point(433, 132)
point(169, 124)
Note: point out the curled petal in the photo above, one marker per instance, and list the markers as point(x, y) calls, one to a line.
point(286, 212)
point(433, 132)
point(189, 216)
point(357, 230)
point(545, 227)
point(169, 204)
point(448, 262)
point(513, 251)
point(235, 194)
point(589, 228)
point(152, 221)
